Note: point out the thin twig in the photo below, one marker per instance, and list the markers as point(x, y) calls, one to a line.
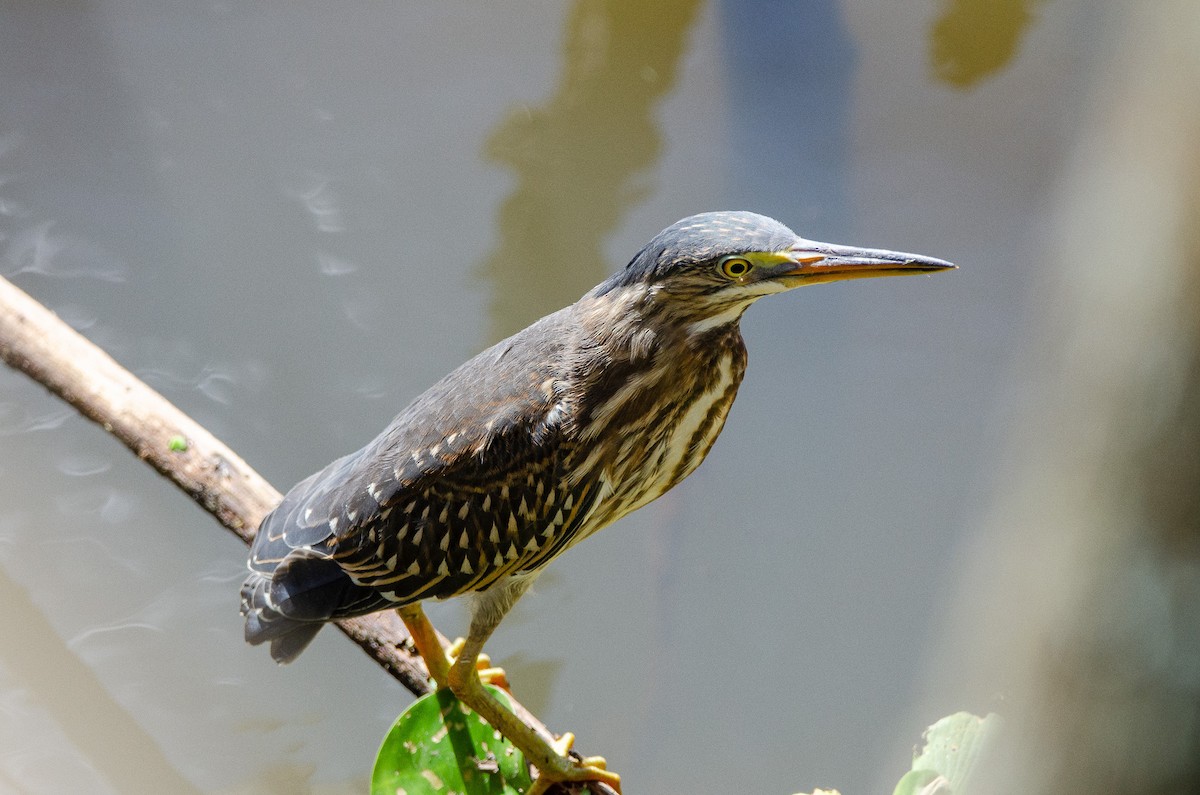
point(36, 342)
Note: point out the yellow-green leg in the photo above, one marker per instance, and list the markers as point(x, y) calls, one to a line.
point(460, 670)
point(552, 761)
point(488, 674)
point(437, 660)
point(428, 644)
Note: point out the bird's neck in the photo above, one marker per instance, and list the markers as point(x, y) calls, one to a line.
point(648, 397)
point(636, 321)
point(636, 328)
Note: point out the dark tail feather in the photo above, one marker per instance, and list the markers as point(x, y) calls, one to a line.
point(288, 636)
point(291, 604)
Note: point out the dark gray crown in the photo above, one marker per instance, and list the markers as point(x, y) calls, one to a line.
point(699, 238)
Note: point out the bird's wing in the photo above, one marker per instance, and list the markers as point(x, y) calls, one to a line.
point(464, 487)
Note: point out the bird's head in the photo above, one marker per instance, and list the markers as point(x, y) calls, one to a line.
point(709, 267)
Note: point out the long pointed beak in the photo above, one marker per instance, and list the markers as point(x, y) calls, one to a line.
point(813, 263)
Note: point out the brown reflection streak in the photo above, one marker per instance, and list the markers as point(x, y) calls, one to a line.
point(97, 726)
point(974, 38)
point(576, 156)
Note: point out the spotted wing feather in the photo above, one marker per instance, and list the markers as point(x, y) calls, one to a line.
point(458, 492)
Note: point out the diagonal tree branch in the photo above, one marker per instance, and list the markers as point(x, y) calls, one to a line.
point(36, 342)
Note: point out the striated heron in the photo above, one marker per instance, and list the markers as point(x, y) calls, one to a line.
point(532, 446)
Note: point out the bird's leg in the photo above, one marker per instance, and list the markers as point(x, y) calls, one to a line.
point(551, 760)
point(488, 674)
point(428, 644)
point(438, 660)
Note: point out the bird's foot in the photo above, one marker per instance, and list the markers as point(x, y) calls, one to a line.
point(551, 759)
point(488, 673)
point(590, 768)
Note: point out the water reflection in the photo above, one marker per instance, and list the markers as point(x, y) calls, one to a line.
point(83, 464)
point(578, 156)
point(95, 724)
point(974, 38)
point(787, 100)
point(322, 203)
point(331, 265)
point(16, 419)
point(36, 249)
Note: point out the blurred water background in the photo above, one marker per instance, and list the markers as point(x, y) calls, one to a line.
point(968, 492)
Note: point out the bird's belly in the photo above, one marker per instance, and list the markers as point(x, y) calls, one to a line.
point(666, 449)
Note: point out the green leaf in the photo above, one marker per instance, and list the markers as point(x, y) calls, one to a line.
point(922, 782)
point(439, 746)
point(953, 747)
point(177, 444)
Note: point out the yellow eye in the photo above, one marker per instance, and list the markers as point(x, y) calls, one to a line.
point(736, 267)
